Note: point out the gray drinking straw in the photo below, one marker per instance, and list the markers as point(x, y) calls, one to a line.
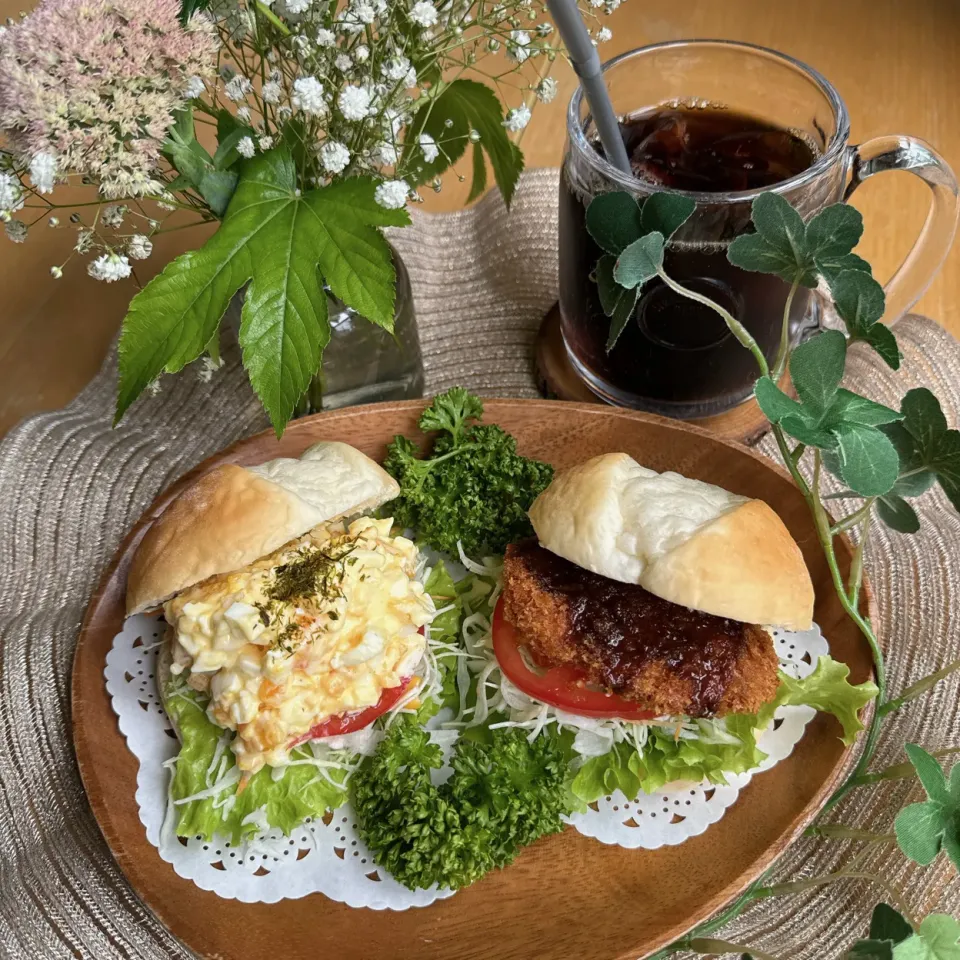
point(586, 62)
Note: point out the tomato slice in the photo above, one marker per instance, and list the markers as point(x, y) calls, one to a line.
point(343, 723)
point(564, 687)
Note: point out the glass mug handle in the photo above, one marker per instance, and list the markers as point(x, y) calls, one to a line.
point(926, 256)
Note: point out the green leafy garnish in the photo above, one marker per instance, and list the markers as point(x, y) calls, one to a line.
point(299, 794)
point(286, 244)
point(888, 927)
point(924, 829)
point(665, 758)
point(473, 488)
point(503, 795)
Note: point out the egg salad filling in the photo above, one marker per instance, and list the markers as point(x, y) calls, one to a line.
point(320, 628)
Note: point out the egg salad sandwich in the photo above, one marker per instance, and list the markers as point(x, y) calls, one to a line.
point(294, 621)
point(642, 614)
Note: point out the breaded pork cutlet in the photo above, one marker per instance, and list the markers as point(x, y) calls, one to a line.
point(667, 658)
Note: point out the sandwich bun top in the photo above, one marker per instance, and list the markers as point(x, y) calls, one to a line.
point(689, 542)
point(234, 515)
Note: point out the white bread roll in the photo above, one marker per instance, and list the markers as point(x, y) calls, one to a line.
point(234, 515)
point(689, 542)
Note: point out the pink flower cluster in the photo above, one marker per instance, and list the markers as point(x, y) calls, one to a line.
point(95, 83)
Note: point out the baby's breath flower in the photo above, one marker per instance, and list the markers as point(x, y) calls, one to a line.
point(610, 6)
point(386, 153)
point(308, 96)
point(334, 156)
point(271, 92)
point(208, 368)
point(546, 90)
point(518, 45)
point(153, 387)
point(343, 62)
point(423, 13)
point(296, 7)
point(16, 230)
point(109, 267)
point(517, 118)
point(84, 241)
point(544, 29)
point(265, 143)
point(56, 273)
point(43, 172)
point(195, 88)
point(243, 114)
point(396, 68)
point(356, 17)
point(139, 247)
point(604, 34)
point(238, 88)
point(361, 54)
point(392, 194)
point(326, 38)
point(245, 147)
point(354, 102)
point(11, 193)
point(429, 147)
point(112, 216)
point(53, 222)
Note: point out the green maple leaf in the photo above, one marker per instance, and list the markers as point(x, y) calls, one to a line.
point(937, 939)
point(461, 106)
point(831, 418)
point(285, 244)
point(924, 829)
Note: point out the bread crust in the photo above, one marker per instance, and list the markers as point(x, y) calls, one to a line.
point(232, 516)
point(692, 543)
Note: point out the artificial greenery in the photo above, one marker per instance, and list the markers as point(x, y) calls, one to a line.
point(883, 458)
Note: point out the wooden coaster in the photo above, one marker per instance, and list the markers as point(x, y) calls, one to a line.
point(557, 379)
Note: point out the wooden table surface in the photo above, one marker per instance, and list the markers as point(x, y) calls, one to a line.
point(896, 64)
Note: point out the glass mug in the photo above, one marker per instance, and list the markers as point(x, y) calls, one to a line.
point(675, 357)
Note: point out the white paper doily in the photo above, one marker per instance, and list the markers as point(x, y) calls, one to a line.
point(326, 855)
point(682, 809)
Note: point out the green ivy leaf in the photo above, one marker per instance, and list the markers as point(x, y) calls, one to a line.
point(833, 233)
point(618, 303)
point(640, 261)
point(869, 464)
point(860, 301)
point(926, 445)
point(665, 213)
point(272, 237)
point(923, 829)
point(614, 221)
point(779, 246)
point(852, 407)
point(816, 368)
point(889, 924)
point(897, 514)
point(808, 433)
point(870, 950)
point(481, 106)
point(774, 403)
point(937, 939)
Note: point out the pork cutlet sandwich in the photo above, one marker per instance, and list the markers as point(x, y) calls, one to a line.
point(288, 624)
point(649, 595)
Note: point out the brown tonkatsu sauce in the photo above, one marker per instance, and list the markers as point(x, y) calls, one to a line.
point(619, 631)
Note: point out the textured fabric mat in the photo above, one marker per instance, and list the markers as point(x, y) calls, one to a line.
point(70, 487)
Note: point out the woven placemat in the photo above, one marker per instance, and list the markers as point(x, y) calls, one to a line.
point(70, 487)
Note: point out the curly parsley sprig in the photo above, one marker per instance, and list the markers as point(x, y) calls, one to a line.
point(473, 487)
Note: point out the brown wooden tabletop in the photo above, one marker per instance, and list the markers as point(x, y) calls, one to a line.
point(896, 64)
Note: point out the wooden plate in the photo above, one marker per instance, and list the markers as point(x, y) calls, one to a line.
point(567, 897)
